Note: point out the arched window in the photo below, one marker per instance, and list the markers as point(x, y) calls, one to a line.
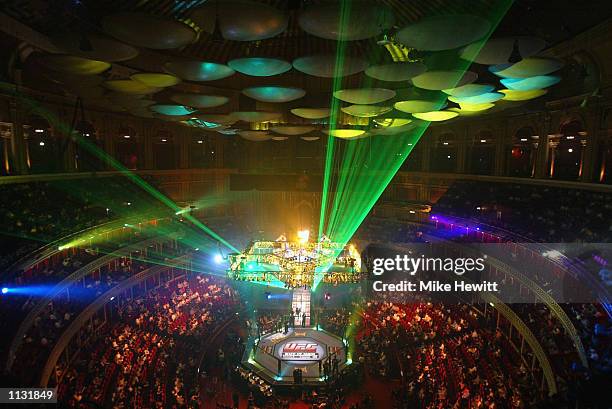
point(522, 154)
point(128, 147)
point(444, 154)
point(165, 150)
point(481, 153)
point(44, 152)
point(567, 151)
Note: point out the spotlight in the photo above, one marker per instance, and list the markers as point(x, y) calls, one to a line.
point(327, 296)
point(5, 290)
point(268, 295)
point(218, 258)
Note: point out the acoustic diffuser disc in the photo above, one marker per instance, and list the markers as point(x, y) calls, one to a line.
point(292, 130)
point(70, 64)
point(365, 111)
point(259, 67)
point(364, 21)
point(145, 30)
point(172, 110)
point(311, 113)
point(418, 105)
point(199, 100)
point(99, 47)
point(499, 50)
point(398, 71)
point(486, 98)
point(515, 95)
point(469, 90)
point(530, 83)
point(393, 126)
point(256, 136)
point(443, 32)
point(255, 116)
point(475, 107)
point(325, 66)
point(198, 70)
point(439, 80)
point(223, 119)
point(154, 79)
point(527, 67)
point(274, 93)
point(435, 116)
point(280, 138)
point(364, 96)
point(240, 20)
point(345, 133)
point(310, 138)
point(130, 87)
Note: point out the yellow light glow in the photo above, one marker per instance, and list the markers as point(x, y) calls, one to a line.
point(303, 236)
point(476, 107)
point(158, 80)
point(365, 111)
point(346, 133)
point(435, 116)
point(515, 95)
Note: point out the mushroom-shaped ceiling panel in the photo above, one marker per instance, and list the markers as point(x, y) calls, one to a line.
point(530, 83)
point(69, 64)
point(259, 67)
point(130, 87)
point(98, 47)
point(274, 93)
point(311, 113)
point(439, 80)
point(499, 50)
point(398, 71)
point(346, 22)
point(199, 100)
point(292, 130)
point(527, 67)
point(155, 79)
point(364, 96)
point(324, 65)
point(198, 70)
point(444, 32)
point(365, 111)
point(240, 20)
point(145, 30)
point(255, 136)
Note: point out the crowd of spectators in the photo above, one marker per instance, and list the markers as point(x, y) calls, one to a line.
point(34, 214)
point(446, 356)
point(146, 357)
point(542, 213)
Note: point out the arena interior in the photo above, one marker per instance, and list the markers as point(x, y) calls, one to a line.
point(330, 204)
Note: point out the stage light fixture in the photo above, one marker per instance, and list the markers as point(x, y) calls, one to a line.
point(5, 290)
